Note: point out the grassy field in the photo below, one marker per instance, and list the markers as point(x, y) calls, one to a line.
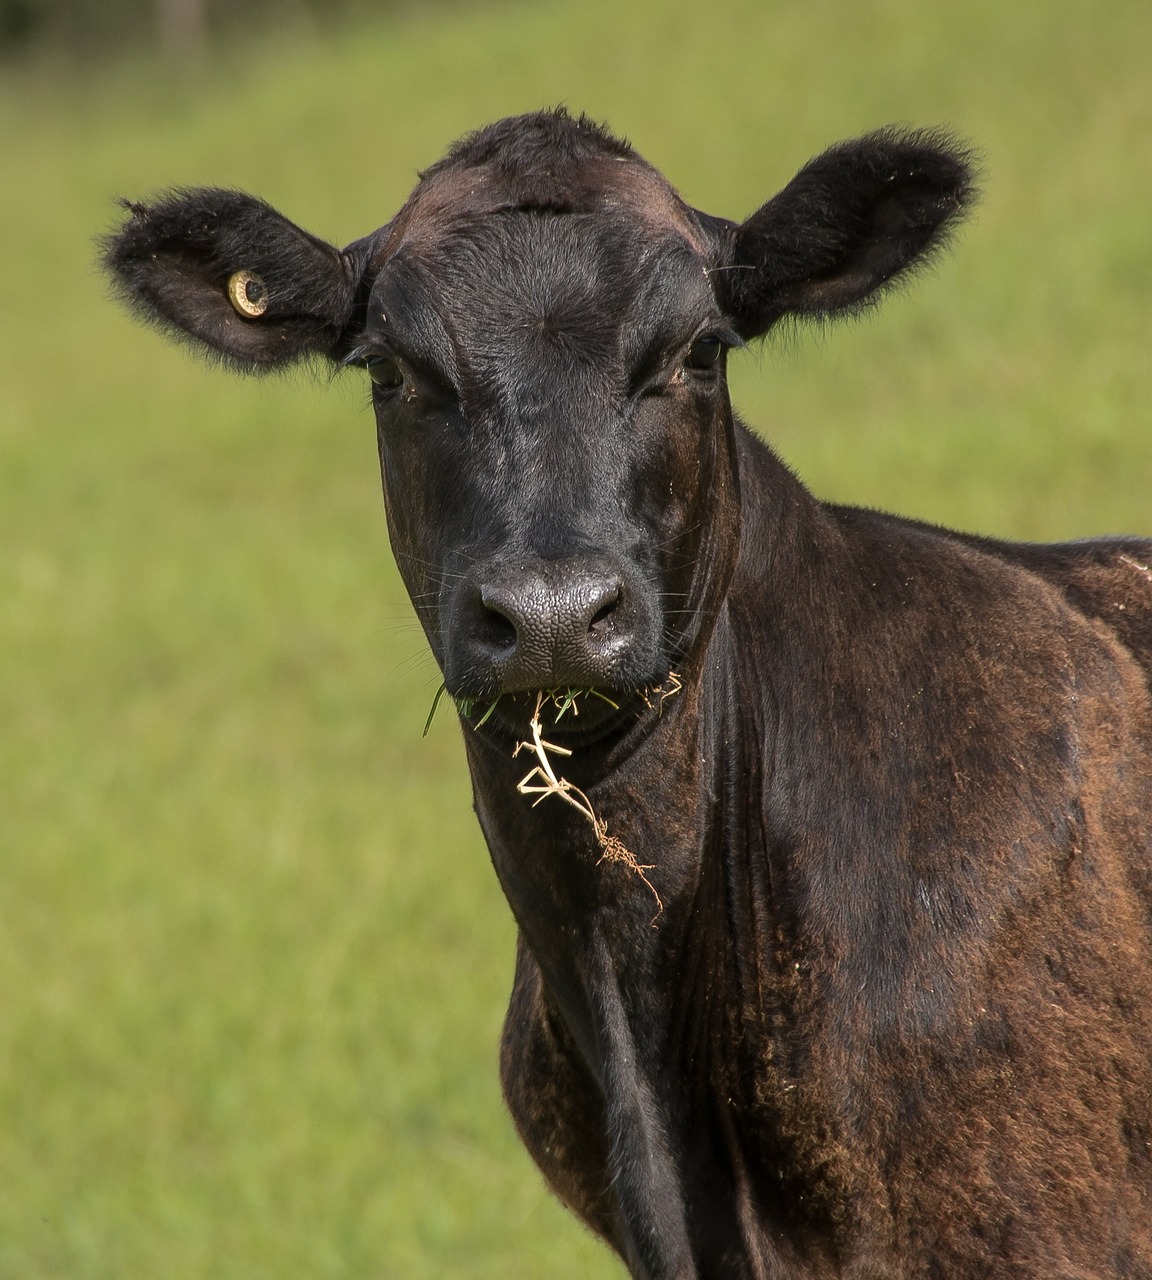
point(252, 957)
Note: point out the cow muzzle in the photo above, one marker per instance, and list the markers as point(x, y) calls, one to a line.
point(516, 625)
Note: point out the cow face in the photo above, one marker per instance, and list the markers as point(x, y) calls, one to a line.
point(554, 433)
point(545, 326)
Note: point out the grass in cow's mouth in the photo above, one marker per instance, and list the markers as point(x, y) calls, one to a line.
point(466, 706)
point(542, 780)
point(562, 701)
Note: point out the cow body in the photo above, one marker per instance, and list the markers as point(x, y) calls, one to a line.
point(871, 994)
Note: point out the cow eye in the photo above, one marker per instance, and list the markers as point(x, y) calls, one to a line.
point(704, 354)
point(384, 372)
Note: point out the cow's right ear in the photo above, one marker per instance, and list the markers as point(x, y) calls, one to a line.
point(228, 272)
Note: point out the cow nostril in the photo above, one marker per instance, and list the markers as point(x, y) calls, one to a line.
point(601, 619)
point(497, 628)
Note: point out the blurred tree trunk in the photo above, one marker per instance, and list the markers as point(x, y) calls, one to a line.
point(182, 27)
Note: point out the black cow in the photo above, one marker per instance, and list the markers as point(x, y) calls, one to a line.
point(835, 955)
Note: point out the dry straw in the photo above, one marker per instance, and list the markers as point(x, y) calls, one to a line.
point(542, 780)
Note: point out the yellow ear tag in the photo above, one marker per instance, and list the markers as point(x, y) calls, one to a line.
point(247, 293)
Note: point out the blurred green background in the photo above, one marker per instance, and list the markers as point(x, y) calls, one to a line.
point(253, 960)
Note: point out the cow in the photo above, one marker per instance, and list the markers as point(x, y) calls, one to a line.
point(827, 833)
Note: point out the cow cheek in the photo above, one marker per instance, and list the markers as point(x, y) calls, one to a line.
point(663, 475)
point(700, 555)
point(414, 530)
point(684, 490)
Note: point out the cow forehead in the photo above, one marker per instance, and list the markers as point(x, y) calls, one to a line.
point(527, 346)
point(616, 269)
point(519, 298)
point(602, 184)
point(524, 267)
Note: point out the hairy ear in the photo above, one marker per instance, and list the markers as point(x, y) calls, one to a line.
point(852, 222)
point(228, 272)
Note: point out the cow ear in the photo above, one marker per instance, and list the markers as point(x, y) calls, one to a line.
point(851, 223)
point(235, 277)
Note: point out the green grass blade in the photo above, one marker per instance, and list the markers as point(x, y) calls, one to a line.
point(432, 713)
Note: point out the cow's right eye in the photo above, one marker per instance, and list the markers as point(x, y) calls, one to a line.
point(704, 354)
point(384, 372)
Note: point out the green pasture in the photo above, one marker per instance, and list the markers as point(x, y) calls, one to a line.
point(253, 960)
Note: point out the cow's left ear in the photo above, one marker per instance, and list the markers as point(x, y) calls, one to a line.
point(853, 221)
point(227, 272)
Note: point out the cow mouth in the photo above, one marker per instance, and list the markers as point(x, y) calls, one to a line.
point(575, 717)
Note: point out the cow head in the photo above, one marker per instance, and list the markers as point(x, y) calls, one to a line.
point(545, 325)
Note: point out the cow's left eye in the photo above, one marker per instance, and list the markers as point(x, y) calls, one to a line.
point(704, 354)
point(385, 372)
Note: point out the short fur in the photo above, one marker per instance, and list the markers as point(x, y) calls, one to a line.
point(894, 1017)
